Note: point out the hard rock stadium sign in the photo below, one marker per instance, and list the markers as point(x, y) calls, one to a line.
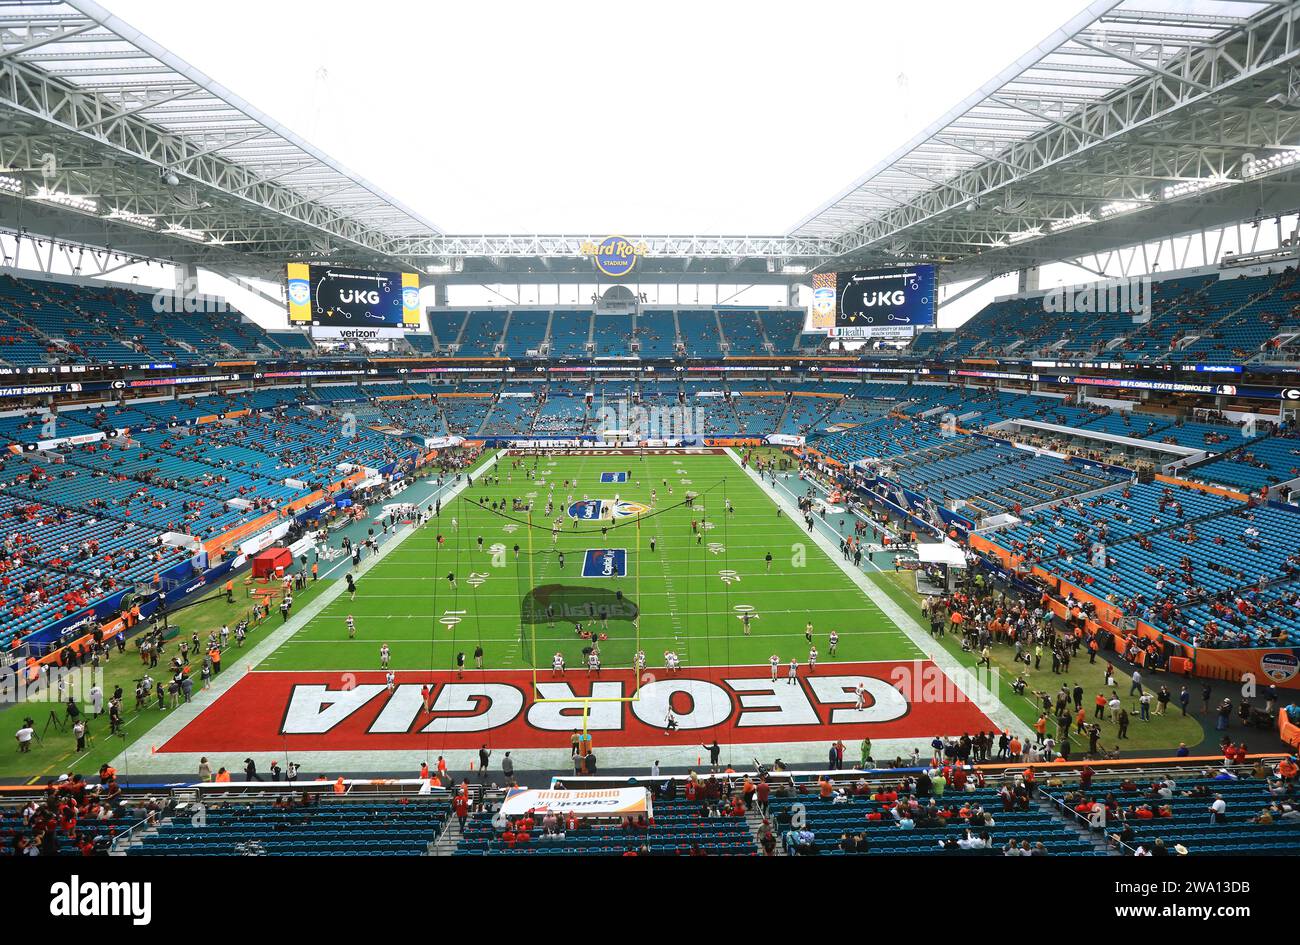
point(614, 256)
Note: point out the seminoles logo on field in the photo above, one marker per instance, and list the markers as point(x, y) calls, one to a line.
point(1279, 667)
point(315, 711)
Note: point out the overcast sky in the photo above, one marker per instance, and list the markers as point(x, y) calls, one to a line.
point(573, 117)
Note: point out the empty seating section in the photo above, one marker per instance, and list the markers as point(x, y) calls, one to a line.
point(62, 322)
point(1212, 437)
point(784, 330)
point(512, 415)
point(564, 413)
point(1178, 816)
point(699, 330)
point(445, 327)
point(803, 412)
point(862, 814)
point(1254, 464)
point(420, 342)
point(583, 332)
point(464, 415)
point(743, 332)
point(569, 333)
point(993, 478)
point(526, 333)
point(678, 826)
point(338, 393)
point(613, 334)
point(481, 333)
point(291, 341)
point(1245, 304)
point(1181, 559)
point(415, 415)
point(326, 828)
point(719, 417)
point(1006, 325)
point(375, 391)
point(1193, 319)
point(881, 438)
point(656, 334)
point(54, 561)
point(80, 335)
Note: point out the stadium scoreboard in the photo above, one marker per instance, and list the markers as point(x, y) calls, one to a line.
point(874, 303)
point(352, 304)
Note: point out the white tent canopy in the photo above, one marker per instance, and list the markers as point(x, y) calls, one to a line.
point(942, 552)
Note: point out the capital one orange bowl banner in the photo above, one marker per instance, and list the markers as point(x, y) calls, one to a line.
point(603, 802)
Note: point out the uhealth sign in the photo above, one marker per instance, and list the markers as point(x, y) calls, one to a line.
point(614, 256)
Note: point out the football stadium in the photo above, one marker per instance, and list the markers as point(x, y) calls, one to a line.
point(958, 517)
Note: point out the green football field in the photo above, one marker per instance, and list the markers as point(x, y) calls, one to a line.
point(686, 595)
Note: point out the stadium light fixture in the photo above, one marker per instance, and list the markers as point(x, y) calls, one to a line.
point(134, 219)
point(10, 185)
point(1019, 237)
point(184, 232)
point(1116, 207)
point(1252, 167)
point(1185, 187)
point(71, 201)
point(1069, 223)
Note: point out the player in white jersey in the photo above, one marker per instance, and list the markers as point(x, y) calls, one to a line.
point(835, 641)
point(671, 662)
point(390, 680)
point(383, 656)
point(557, 664)
point(593, 663)
point(775, 662)
point(793, 675)
point(812, 658)
point(860, 695)
point(638, 661)
point(352, 628)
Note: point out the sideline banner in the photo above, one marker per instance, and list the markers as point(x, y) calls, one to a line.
point(611, 802)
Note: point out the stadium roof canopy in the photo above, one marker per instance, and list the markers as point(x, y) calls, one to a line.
point(177, 166)
point(1137, 120)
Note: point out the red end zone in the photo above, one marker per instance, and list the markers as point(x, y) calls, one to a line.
point(332, 711)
